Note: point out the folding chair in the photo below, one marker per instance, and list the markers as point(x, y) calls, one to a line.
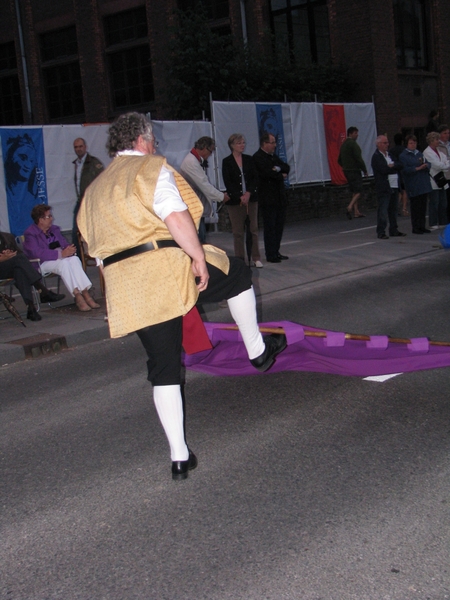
point(10, 282)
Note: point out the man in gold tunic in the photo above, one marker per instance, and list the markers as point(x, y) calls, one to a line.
point(140, 217)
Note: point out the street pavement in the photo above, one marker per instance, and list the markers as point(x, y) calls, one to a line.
point(309, 486)
point(319, 250)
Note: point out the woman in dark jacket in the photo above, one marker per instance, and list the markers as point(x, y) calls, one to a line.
point(416, 177)
point(241, 181)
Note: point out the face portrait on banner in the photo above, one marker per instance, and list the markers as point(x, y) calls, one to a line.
point(270, 120)
point(25, 180)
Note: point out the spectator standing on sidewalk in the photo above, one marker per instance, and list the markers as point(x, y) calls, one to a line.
point(444, 146)
point(385, 172)
point(352, 163)
point(416, 175)
point(439, 161)
point(86, 169)
point(193, 168)
point(241, 181)
point(272, 172)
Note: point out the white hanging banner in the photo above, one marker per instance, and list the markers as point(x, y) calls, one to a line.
point(175, 140)
point(304, 135)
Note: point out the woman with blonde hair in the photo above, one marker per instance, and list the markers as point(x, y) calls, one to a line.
point(241, 181)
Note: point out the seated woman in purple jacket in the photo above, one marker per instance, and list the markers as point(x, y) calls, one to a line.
point(45, 241)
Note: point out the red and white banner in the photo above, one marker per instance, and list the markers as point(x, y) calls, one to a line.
point(335, 134)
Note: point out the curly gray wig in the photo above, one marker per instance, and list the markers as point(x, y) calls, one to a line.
point(125, 130)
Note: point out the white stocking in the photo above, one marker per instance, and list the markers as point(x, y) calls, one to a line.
point(169, 407)
point(243, 311)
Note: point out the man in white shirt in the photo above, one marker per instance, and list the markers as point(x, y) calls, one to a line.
point(140, 218)
point(193, 168)
point(87, 167)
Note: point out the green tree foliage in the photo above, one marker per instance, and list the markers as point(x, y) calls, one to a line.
point(200, 61)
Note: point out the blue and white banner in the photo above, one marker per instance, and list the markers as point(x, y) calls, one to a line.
point(25, 177)
point(270, 119)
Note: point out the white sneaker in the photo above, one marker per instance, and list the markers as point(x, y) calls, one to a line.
point(258, 264)
point(434, 227)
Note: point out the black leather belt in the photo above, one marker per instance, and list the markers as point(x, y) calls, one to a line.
point(139, 250)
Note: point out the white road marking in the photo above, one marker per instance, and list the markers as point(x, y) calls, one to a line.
point(381, 378)
point(360, 229)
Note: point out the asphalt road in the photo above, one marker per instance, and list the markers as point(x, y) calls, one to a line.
point(309, 486)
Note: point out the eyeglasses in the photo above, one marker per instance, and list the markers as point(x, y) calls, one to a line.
point(211, 149)
point(48, 217)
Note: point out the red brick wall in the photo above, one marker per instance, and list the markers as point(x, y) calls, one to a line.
point(362, 38)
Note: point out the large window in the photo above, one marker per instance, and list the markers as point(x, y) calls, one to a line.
point(215, 9)
point(411, 34)
point(61, 71)
point(301, 30)
point(10, 100)
point(128, 54)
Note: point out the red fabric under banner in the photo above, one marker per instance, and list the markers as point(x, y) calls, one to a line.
point(195, 338)
point(335, 134)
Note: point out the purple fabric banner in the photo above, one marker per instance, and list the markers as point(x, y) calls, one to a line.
point(318, 354)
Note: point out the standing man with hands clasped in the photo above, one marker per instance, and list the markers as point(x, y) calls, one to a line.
point(87, 167)
point(272, 172)
point(385, 172)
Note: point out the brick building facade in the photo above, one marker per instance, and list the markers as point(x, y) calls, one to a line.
point(75, 61)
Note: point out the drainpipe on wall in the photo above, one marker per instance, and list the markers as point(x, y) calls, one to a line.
point(24, 62)
point(244, 22)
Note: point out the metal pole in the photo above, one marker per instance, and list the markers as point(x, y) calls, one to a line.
point(24, 62)
point(244, 23)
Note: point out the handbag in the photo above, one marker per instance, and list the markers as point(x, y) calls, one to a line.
point(440, 179)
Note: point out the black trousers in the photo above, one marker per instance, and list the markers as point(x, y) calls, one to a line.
point(163, 341)
point(274, 216)
point(418, 205)
point(23, 272)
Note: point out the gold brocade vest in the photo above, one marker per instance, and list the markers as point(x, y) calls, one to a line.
point(117, 214)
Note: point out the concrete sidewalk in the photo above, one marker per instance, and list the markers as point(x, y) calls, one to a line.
point(318, 250)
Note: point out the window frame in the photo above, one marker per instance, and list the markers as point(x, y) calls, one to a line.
point(61, 66)
point(288, 10)
point(122, 49)
point(400, 44)
point(9, 77)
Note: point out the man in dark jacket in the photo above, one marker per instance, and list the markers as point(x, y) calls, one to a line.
point(385, 172)
point(87, 167)
point(15, 265)
point(272, 172)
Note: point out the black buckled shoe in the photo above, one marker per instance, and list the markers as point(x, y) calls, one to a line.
point(275, 343)
point(50, 296)
point(180, 468)
point(33, 314)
